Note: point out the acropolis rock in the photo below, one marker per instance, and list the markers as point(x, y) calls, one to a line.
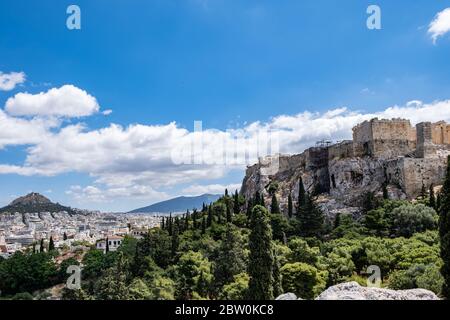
point(382, 152)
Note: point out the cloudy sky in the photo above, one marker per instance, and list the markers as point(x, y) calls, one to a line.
point(92, 118)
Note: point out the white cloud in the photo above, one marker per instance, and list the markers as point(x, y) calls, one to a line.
point(127, 160)
point(67, 101)
point(196, 189)
point(17, 131)
point(8, 81)
point(440, 25)
point(107, 112)
point(96, 194)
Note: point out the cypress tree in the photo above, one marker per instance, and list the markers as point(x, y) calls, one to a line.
point(249, 208)
point(175, 242)
point(311, 219)
point(438, 203)
point(274, 207)
point(262, 201)
point(290, 208)
point(261, 259)
point(41, 247)
point(301, 196)
point(432, 199)
point(229, 217)
point(65, 236)
point(444, 232)
point(423, 192)
point(385, 191)
point(209, 222)
point(51, 244)
point(277, 287)
point(163, 226)
point(226, 192)
point(107, 245)
point(257, 200)
point(236, 207)
point(204, 225)
point(170, 225)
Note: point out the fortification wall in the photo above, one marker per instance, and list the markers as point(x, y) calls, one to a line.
point(341, 150)
point(440, 133)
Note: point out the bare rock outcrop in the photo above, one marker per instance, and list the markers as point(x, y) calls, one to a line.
point(353, 291)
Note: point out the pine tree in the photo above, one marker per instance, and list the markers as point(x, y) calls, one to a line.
point(274, 207)
point(277, 288)
point(301, 196)
point(290, 208)
point(204, 225)
point(444, 232)
point(261, 256)
point(236, 206)
point(311, 219)
point(432, 199)
point(51, 244)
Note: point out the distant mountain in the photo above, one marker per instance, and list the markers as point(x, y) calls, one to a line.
point(34, 203)
point(179, 204)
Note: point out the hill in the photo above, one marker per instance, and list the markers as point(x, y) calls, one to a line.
point(179, 204)
point(34, 202)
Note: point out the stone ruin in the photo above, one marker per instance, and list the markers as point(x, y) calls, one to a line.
point(382, 152)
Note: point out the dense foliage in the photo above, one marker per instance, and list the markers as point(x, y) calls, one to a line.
point(240, 248)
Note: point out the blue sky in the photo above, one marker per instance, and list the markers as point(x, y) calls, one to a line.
point(226, 63)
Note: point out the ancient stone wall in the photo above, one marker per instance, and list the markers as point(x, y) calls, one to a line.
point(341, 150)
point(440, 133)
point(384, 138)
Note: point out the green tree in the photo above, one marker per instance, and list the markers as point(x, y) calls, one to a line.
point(274, 206)
point(290, 208)
point(444, 232)
point(261, 256)
point(301, 199)
point(311, 219)
point(409, 219)
point(276, 274)
point(229, 216)
point(230, 260)
point(377, 222)
point(112, 285)
point(51, 244)
point(192, 271)
point(236, 205)
point(301, 279)
point(203, 225)
point(432, 198)
point(236, 290)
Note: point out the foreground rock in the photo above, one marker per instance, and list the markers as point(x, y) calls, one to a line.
point(353, 291)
